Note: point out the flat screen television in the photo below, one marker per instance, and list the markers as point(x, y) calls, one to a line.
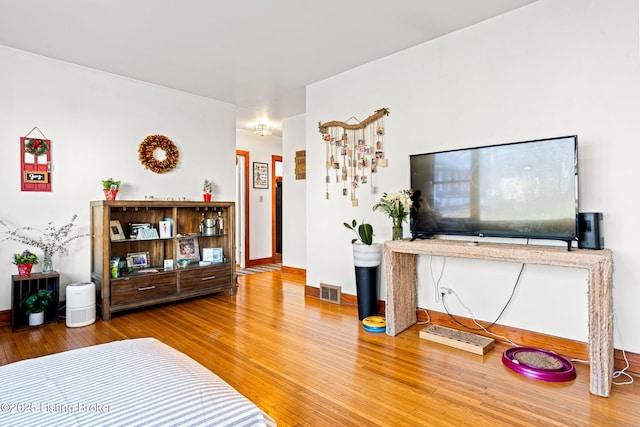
point(519, 190)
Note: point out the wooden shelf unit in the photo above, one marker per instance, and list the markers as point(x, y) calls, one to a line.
point(23, 285)
point(132, 290)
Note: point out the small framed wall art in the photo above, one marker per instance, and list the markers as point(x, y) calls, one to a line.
point(260, 175)
point(35, 162)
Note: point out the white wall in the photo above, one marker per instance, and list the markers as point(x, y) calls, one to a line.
point(294, 215)
point(260, 149)
point(555, 67)
point(96, 122)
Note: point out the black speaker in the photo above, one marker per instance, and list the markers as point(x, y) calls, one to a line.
point(590, 230)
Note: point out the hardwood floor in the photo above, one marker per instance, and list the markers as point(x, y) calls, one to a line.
point(310, 363)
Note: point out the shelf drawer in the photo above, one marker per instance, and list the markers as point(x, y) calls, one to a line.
point(205, 277)
point(136, 288)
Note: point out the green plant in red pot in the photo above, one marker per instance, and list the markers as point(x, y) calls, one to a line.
point(25, 262)
point(206, 190)
point(110, 188)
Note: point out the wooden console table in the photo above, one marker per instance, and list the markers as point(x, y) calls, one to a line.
point(400, 273)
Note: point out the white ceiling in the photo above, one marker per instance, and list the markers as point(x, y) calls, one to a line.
point(256, 54)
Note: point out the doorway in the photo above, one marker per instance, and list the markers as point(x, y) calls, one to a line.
point(276, 209)
point(242, 208)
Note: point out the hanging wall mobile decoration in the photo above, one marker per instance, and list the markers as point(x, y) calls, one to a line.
point(354, 152)
point(35, 162)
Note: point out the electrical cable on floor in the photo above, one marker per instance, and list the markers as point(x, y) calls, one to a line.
point(428, 317)
point(621, 372)
point(418, 309)
point(513, 291)
point(473, 317)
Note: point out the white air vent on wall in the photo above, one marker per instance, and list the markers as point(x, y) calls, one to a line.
point(330, 293)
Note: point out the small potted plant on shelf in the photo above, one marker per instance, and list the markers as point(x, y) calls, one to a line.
point(35, 304)
point(206, 190)
point(25, 262)
point(110, 188)
point(366, 259)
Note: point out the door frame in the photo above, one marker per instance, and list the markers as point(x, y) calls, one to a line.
point(245, 156)
point(274, 160)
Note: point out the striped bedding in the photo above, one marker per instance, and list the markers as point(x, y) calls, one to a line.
point(138, 382)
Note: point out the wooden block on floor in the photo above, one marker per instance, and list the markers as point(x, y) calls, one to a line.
point(462, 340)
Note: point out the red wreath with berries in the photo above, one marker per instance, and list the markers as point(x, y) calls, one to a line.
point(147, 149)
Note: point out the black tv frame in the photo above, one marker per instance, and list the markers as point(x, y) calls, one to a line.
point(419, 233)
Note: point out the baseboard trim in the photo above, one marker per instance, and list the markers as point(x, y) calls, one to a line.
point(295, 271)
point(346, 300)
point(259, 261)
point(564, 346)
point(5, 318)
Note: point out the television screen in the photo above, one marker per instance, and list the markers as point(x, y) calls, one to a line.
point(525, 189)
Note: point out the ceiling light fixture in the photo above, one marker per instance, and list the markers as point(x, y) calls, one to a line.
point(262, 129)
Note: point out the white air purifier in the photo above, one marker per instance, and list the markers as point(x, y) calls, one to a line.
point(81, 304)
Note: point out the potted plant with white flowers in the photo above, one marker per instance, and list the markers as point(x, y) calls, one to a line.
point(397, 207)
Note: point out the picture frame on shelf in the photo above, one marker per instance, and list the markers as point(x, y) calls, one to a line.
point(212, 255)
point(168, 265)
point(260, 175)
point(147, 234)
point(137, 260)
point(115, 230)
point(134, 229)
point(188, 250)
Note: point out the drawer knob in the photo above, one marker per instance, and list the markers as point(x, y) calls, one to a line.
point(208, 278)
point(146, 288)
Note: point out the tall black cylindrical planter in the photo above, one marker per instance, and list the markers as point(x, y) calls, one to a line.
point(367, 291)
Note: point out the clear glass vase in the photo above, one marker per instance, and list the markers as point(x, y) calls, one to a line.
point(47, 262)
point(397, 229)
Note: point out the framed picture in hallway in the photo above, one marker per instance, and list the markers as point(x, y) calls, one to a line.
point(260, 175)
